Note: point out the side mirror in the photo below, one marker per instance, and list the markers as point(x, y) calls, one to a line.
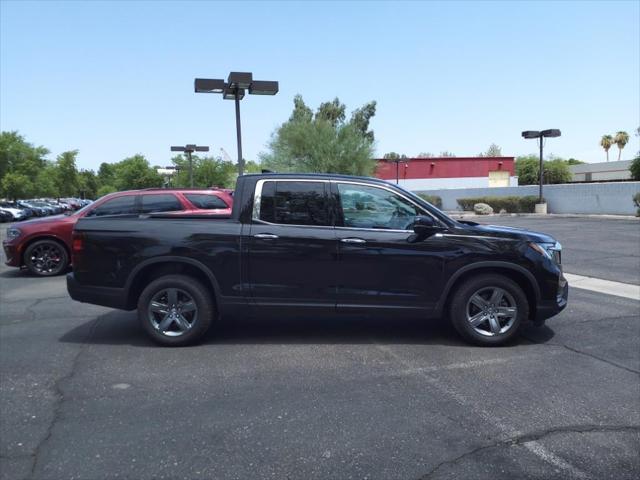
point(424, 226)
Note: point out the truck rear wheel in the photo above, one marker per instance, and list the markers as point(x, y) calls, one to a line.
point(175, 310)
point(488, 309)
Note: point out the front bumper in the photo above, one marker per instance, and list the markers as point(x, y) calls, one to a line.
point(545, 310)
point(105, 296)
point(12, 254)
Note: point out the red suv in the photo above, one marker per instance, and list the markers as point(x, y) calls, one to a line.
point(43, 245)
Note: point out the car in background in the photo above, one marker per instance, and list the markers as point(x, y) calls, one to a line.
point(17, 213)
point(5, 216)
point(43, 245)
point(37, 211)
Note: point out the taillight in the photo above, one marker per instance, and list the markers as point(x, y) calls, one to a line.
point(78, 243)
point(77, 246)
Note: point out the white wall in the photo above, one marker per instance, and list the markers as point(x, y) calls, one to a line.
point(417, 184)
point(613, 198)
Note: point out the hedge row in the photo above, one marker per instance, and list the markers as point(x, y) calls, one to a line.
point(510, 204)
point(432, 199)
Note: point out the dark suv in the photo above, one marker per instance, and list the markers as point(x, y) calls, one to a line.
point(322, 245)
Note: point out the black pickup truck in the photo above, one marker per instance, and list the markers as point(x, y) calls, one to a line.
point(318, 245)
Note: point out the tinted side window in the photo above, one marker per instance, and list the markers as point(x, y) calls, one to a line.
point(294, 203)
point(164, 202)
point(371, 207)
point(268, 202)
point(125, 205)
point(206, 201)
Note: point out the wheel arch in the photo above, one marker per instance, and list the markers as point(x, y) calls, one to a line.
point(32, 240)
point(154, 268)
point(525, 280)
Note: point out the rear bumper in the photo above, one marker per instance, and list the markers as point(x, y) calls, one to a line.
point(105, 296)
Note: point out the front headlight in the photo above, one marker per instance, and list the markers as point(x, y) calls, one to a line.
point(13, 233)
point(553, 251)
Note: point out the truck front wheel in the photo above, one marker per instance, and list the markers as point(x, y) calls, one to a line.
point(175, 310)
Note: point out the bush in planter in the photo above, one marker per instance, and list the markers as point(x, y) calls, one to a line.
point(434, 200)
point(513, 204)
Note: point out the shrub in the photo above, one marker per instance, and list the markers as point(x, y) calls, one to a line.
point(636, 202)
point(434, 200)
point(510, 204)
point(635, 168)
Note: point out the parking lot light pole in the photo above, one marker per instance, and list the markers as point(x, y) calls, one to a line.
point(234, 89)
point(541, 135)
point(189, 149)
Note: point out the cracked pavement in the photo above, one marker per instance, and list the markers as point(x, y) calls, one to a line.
point(85, 395)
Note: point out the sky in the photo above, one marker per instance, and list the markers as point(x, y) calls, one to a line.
point(112, 79)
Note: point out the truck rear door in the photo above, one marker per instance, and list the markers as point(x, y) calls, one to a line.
point(292, 245)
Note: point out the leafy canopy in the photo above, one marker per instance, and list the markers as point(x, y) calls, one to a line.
point(324, 141)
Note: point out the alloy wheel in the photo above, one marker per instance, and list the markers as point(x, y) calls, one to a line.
point(46, 258)
point(172, 312)
point(491, 311)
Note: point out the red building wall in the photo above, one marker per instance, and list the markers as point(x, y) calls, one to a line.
point(444, 167)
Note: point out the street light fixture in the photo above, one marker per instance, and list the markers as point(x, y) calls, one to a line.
point(528, 134)
point(237, 84)
point(189, 149)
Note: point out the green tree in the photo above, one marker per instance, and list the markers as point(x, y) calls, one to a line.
point(107, 174)
point(104, 190)
point(493, 151)
point(447, 154)
point(528, 170)
point(207, 172)
point(323, 142)
point(621, 139)
point(606, 142)
point(45, 183)
point(426, 155)
point(556, 170)
point(87, 184)
point(634, 168)
point(16, 186)
point(393, 156)
point(66, 174)
point(135, 173)
point(573, 161)
point(252, 167)
point(19, 156)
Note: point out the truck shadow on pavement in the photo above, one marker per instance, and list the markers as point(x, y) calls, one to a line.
point(122, 328)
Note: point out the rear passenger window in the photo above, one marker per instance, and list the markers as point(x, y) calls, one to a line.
point(164, 202)
point(294, 203)
point(206, 201)
point(125, 205)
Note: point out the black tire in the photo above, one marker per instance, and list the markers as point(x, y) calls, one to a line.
point(187, 290)
point(497, 322)
point(46, 258)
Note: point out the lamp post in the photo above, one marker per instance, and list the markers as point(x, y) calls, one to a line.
point(189, 149)
point(234, 89)
point(540, 135)
point(397, 162)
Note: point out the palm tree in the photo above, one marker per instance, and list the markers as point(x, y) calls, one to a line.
point(606, 142)
point(621, 139)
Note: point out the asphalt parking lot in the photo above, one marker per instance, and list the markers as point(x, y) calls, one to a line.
point(85, 395)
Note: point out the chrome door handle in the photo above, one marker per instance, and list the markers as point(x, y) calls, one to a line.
point(265, 236)
point(352, 240)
